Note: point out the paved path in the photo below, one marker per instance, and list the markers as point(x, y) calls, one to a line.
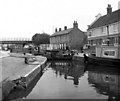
point(13, 66)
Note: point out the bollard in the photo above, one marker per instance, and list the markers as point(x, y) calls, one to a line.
point(26, 60)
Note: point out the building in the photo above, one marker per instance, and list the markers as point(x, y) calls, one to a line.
point(119, 5)
point(72, 38)
point(105, 29)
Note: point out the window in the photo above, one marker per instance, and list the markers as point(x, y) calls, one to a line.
point(109, 53)
point(91, 42)
point(90, 33)
point(104, 42)
point(103, 30)
point(115, 28)
point(116, 40)
point(119, 40)
point(58, 38)
point(112, 40)
point(94, 42)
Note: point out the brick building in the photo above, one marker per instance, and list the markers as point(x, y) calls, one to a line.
point(72, 38)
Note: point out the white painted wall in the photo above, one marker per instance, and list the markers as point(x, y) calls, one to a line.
point(113, 29)
point(96, 32)
point(119, 27)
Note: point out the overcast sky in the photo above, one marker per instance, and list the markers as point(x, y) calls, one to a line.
point(24, 18)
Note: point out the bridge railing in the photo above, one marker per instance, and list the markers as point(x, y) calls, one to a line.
point(15, 39)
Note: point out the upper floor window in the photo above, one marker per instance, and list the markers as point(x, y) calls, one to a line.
point(103, 30)
point(115, 27)
point(90, 33)
point(58, 38)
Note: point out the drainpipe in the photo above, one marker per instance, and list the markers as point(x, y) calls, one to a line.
point(118, 43)
point(108, 35)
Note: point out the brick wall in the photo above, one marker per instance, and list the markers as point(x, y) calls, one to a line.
point(77, 39)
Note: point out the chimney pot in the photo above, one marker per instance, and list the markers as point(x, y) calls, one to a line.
point(65, 27)
point(75, 24)
point(59, 29)
point(55, 29)
point(109, 9)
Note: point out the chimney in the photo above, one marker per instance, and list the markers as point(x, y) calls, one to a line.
point(55, 29)
point(65, 27)
point(109, 9)
point(75, 24)
point(59, 29)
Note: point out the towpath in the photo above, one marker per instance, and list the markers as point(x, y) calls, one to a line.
point(12, 66)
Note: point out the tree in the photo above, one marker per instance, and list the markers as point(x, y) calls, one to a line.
point(38, 39)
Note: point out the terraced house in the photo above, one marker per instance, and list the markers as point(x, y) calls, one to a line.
point(72, 38)
point(105, 30)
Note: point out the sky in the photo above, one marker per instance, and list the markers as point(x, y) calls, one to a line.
point(24, 18)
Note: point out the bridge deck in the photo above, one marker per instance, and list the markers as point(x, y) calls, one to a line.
point(15, 42)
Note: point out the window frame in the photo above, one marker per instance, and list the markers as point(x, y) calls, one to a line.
point(109, 55)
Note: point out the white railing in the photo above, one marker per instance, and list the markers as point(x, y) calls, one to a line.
point(15, 39)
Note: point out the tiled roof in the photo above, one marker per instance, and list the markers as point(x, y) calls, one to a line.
point(107, 19)
point(62, 32)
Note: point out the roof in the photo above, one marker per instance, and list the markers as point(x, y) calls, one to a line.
point(62, 32)
point(107, 19)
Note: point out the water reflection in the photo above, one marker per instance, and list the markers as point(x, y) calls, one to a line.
point(90, 82)
point(106, 81)
point(70, 70)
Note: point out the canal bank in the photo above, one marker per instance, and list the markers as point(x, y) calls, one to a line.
point(17, 74)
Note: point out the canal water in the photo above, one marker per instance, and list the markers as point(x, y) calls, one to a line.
point(73, 80)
